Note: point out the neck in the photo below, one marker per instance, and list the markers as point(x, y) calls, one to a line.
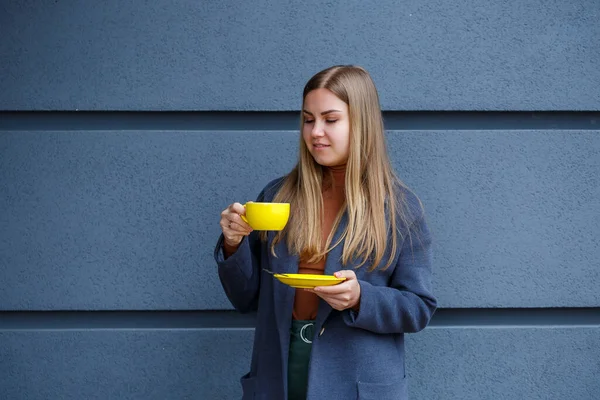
point(335, 176)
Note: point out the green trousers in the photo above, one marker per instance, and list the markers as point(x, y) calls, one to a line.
point(301, 335)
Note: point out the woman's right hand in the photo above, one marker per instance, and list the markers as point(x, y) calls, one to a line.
point(233, 226)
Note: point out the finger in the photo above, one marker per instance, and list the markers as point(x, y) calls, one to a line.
point(334, 289)
point(236, 221)
point(345, 273)
point(241, 227)
point(234, 215)
point(339, 302)
point(335, 303)
point(339, 298)
point(344, 299)
point(237, 208)
point(230, 225)
point(233, 232)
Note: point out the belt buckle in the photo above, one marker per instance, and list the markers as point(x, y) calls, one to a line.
point(305, 340)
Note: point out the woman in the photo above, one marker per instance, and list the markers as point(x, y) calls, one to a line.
point(350, 216)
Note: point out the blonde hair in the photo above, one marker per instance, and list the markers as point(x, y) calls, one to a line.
point(371, 186)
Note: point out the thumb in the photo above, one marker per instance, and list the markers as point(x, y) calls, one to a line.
point(345, 273)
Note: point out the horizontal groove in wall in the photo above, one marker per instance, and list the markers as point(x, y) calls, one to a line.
point(289, 120)
point(445, 317)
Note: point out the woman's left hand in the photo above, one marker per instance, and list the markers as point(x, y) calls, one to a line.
point(343, 295)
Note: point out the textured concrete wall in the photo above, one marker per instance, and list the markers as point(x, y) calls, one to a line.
point(101, 213)
point(445, 363)
point(237, 55)
point(126, 220)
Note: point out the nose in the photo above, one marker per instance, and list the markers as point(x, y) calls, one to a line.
point(317, 130)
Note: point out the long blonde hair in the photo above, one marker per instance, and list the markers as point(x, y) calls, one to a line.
point(371, 186)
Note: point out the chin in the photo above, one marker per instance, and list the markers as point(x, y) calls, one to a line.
point(327, 161)
point(329, 164)
point(323, 163)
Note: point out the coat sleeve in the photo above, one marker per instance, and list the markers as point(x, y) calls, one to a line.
point(240, 273)
point(407, 303)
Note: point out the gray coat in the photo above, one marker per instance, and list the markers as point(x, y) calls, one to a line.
point(354, 355)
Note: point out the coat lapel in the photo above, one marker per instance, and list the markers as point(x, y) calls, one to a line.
point(284, 263)
point(283, 296)
point(332, 264)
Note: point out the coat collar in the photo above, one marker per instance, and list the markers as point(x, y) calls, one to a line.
point(333, 263)
point(283, 297)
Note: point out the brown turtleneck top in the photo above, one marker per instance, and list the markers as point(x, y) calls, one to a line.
point(306, 303)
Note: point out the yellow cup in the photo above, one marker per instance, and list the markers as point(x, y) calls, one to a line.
point(266, 216)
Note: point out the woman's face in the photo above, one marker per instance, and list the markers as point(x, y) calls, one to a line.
point(326, 129)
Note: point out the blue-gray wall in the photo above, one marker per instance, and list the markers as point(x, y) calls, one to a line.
point(125, 128)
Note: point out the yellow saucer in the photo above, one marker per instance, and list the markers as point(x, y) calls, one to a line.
point(308, 281)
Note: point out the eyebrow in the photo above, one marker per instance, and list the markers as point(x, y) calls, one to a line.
point(323, 113)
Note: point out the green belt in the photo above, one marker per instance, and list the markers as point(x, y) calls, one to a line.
point(301, 335)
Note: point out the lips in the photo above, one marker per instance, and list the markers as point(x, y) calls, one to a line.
point(320, 145)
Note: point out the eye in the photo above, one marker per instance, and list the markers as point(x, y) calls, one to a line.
point(309, 121)
point(331, 121)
